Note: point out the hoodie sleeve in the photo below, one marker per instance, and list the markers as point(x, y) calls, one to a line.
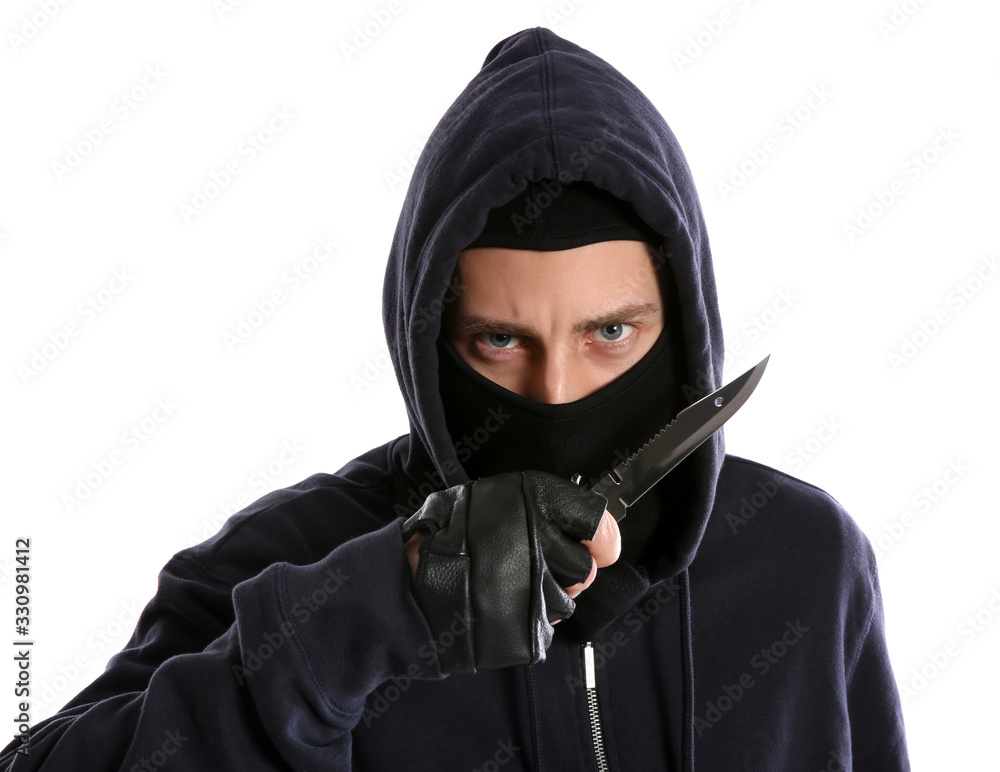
point(281, 687)
point(878, 741)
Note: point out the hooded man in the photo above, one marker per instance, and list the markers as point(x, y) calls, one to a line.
point(451, 600)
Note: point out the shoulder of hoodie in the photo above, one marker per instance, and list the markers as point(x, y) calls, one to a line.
point(777, 548)
point(302, 523)
point(764, 512)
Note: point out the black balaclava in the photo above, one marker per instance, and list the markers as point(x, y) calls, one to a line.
point(495, 430)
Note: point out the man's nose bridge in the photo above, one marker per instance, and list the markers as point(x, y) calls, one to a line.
point(555, 378)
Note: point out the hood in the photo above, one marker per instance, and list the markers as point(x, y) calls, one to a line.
point(541, 107)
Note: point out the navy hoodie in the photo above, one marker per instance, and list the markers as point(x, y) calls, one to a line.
point(291, 640)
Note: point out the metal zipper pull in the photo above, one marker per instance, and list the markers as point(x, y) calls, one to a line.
point(590, 682)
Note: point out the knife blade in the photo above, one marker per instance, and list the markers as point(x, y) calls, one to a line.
point(630, 479)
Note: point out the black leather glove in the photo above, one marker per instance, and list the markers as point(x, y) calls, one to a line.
point(492, 567)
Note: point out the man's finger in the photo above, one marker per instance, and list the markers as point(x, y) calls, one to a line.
point(579, 587)
point(606, 545)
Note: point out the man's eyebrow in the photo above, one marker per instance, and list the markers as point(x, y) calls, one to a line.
point(627, 312)
point(474, 324)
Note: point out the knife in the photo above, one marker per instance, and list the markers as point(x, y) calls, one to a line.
point(629, 480)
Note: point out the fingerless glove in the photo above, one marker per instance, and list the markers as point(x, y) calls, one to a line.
point(498, 552)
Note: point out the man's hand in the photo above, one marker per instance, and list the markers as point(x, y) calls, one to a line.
point(502, 558)
point(605, 548)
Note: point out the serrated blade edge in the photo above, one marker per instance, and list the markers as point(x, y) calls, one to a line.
point(630, 479)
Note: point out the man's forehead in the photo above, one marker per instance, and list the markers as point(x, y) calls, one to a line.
point(614, 265)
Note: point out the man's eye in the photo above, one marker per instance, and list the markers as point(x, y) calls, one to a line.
point(613, 332)
point(498, 340)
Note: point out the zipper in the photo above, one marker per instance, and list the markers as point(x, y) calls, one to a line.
point(590, 681)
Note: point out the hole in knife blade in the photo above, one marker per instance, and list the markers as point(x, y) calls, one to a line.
point(718, 401)
point(616, 478)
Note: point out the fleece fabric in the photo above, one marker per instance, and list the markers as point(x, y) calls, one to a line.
point(291, 640)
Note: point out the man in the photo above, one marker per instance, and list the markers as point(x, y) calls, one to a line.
point(450, 600)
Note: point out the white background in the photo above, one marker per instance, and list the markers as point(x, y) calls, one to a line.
point(858, 398)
